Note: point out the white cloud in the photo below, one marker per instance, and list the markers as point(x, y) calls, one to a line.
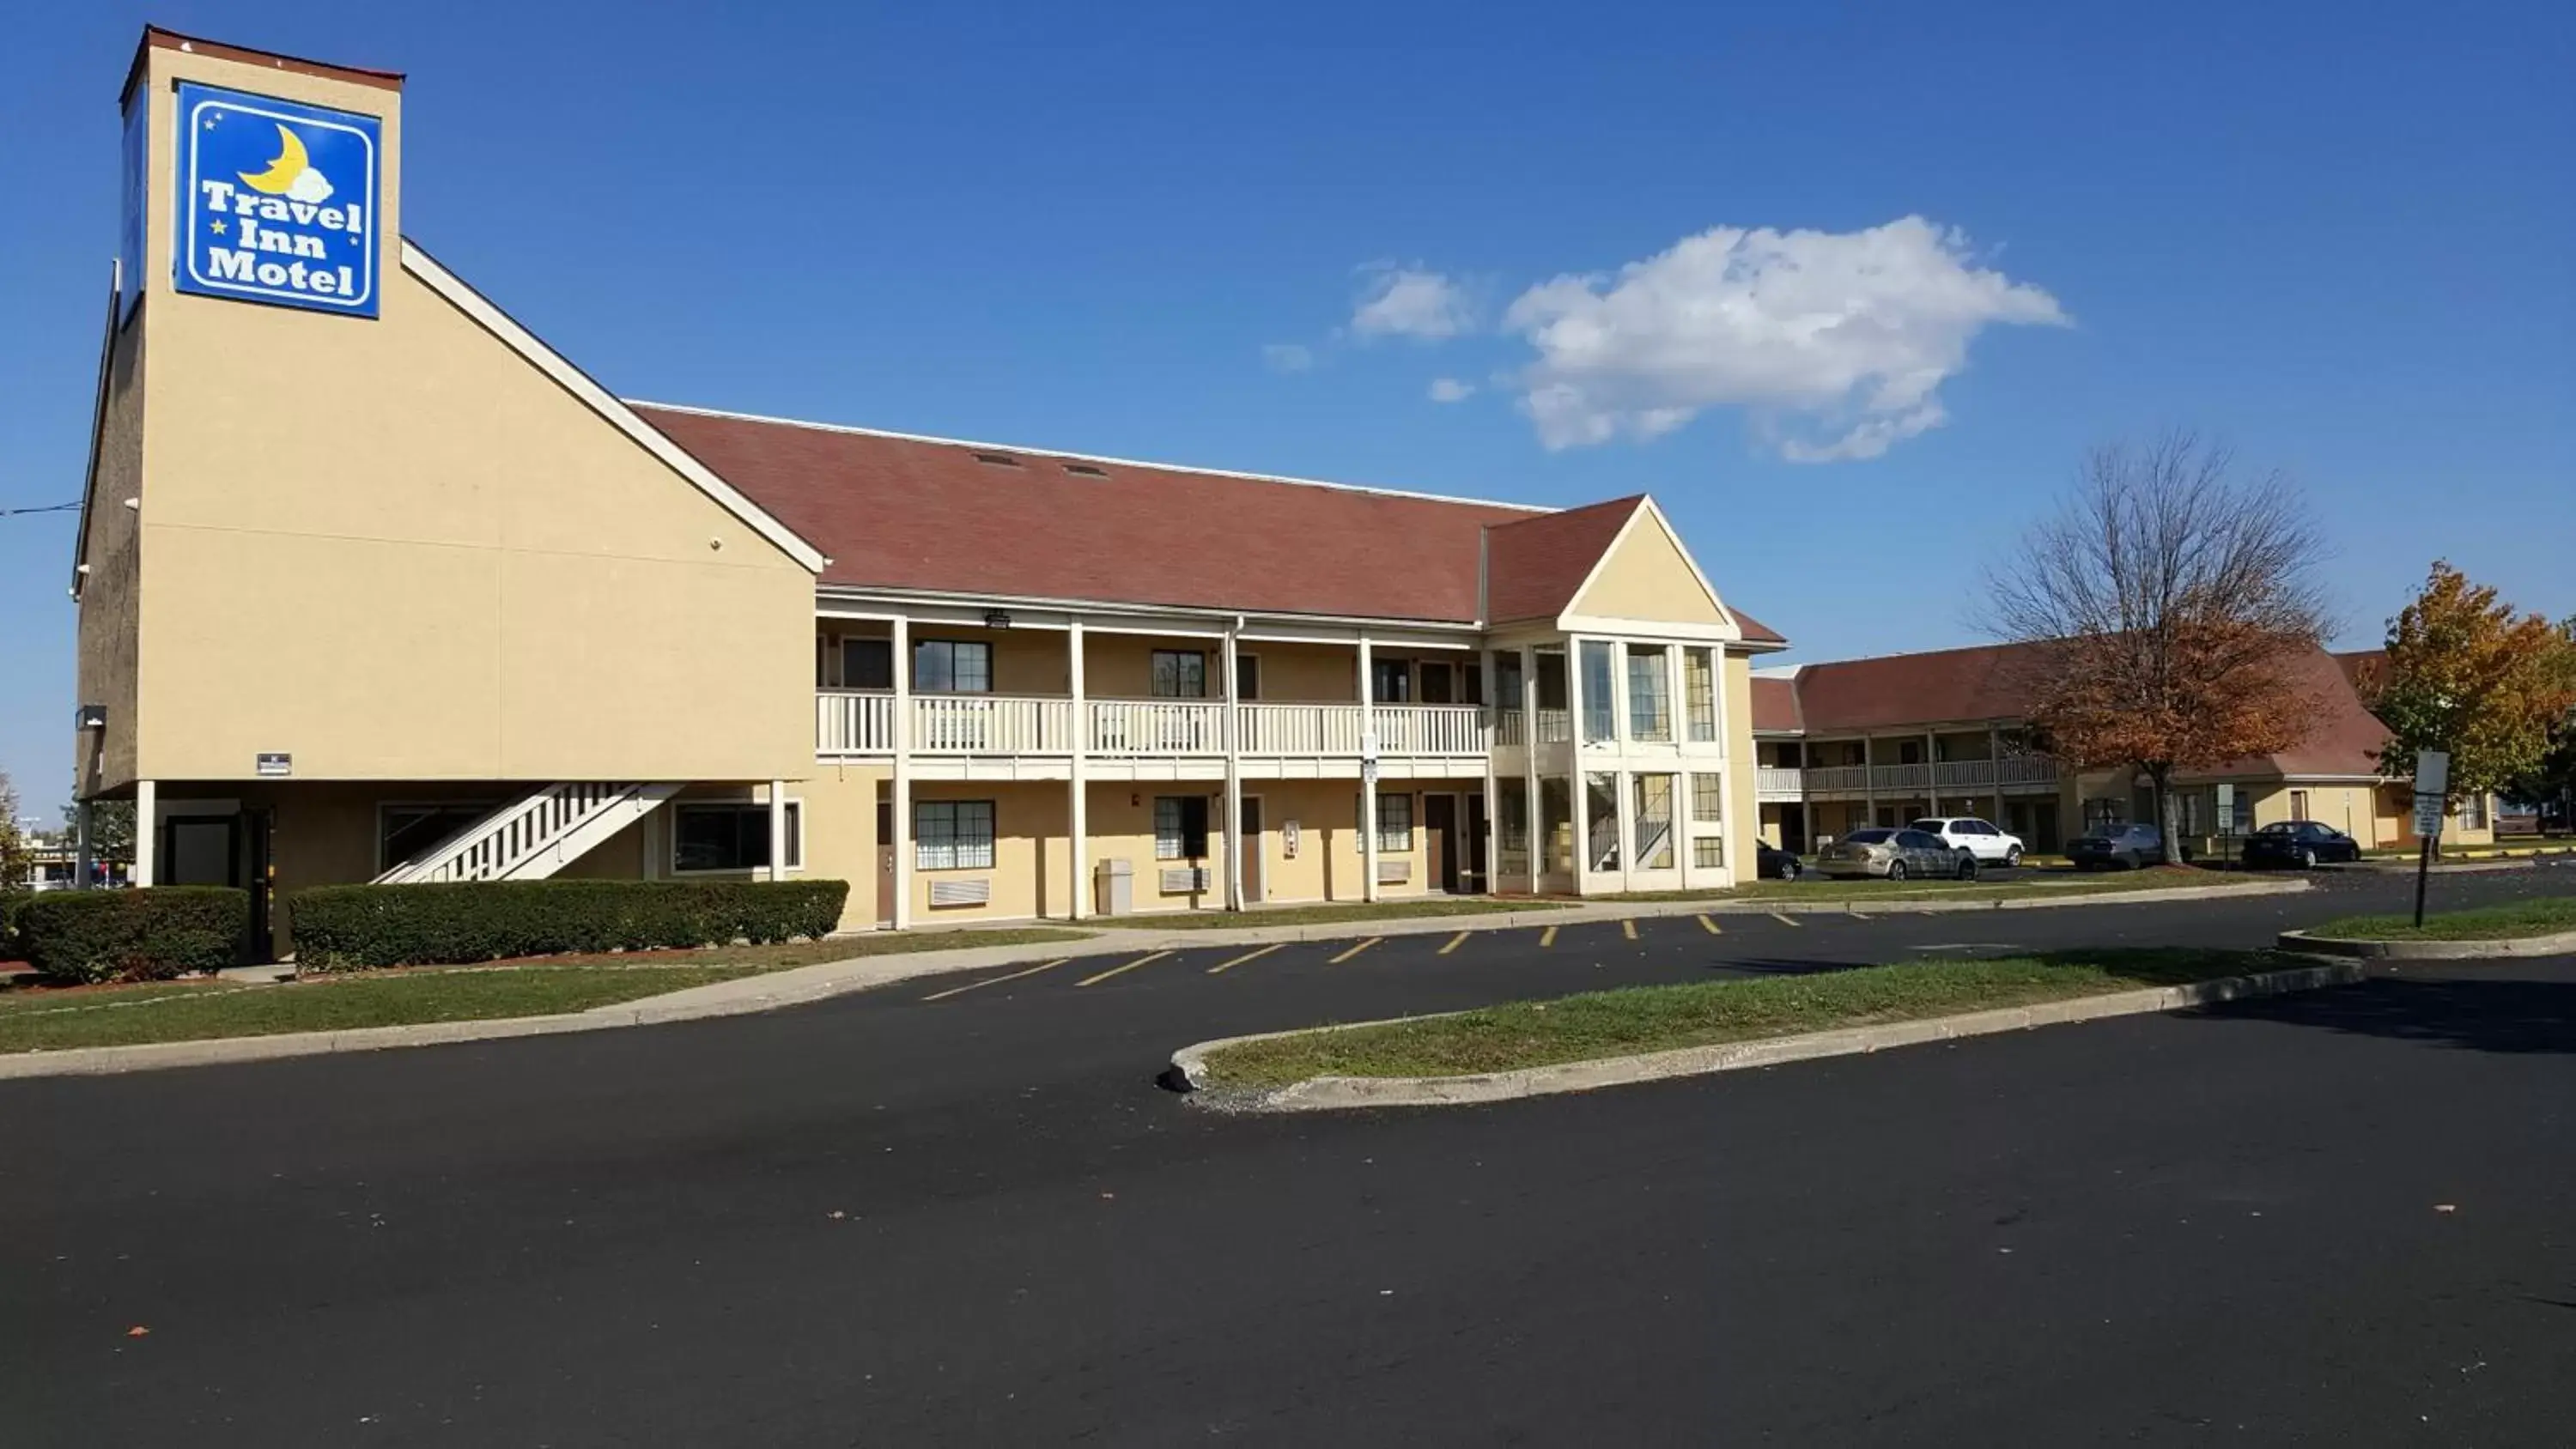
point(311, 186)
point(1409, 302)
point(1837, 341)
point(1287, 356)
point(1450, 389)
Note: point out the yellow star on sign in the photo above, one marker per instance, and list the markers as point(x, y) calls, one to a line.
point(219, 226)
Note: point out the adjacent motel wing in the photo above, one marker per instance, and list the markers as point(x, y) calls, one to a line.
point(407, 595)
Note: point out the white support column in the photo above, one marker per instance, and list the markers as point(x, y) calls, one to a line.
point(1868, 781)
point(1578, 795)
point(1532, 815)
point(1233, 777)
point(1368, 773)
point(1621, 732)
point(902, 842)
point(1931, 775)
point(778, 830)
point(1625, 812)
point(1079, 814)
point(1742, 834)
point(1995, 763)
point(83, 855)
point(147, 830)
point(1488, 881)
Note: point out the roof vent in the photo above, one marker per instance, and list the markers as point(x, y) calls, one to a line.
point(1087, 470)
point(998, 460)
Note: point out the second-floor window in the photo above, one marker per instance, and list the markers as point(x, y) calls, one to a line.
point(952, 666)
point(1180, 674)
point(1391, 681)
point(1699, 693)
point(1600, 712)
point(1650, 708)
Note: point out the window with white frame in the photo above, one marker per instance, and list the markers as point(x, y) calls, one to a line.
point(1708, 852)
point(1395, 822)
point(1512, 799)
point(952, 666)
point(2473, 812)
point(731, 835)
point(1179, 674)
point(1699, 694)
point(952, 834)
point(1708, 798)
point(1180, 827)
point(1650, 705)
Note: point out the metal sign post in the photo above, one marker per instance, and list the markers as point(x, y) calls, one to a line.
point(2432, 789)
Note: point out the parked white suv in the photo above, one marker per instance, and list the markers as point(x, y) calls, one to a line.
point(1963, 832)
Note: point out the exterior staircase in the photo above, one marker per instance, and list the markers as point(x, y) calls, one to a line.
point(533, 838)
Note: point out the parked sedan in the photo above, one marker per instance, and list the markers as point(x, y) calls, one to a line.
point(1896, 855)
point(2132, 846)
point(2299, 844)
point(1773, 863)
point(1963, 832)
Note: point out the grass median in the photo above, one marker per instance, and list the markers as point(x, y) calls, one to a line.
point(1705, 1013)
point(2541, 916)
point(48, 1018)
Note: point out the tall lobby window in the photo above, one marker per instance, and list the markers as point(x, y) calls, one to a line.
point(1551, 725)
point(1654, 822)
point(1699, 694)
point(1507, 681)
point(731, 835)
point(1512, 800)
point(1179, 674)
point(952, 666)
point(1180, 827)
point(1600, 711)
point(1650, 705)
point(952, 834)
point(1601, 820)
point(1556, 823)
point(867, 663)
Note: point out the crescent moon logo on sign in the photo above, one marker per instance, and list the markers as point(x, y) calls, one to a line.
point(291, 174)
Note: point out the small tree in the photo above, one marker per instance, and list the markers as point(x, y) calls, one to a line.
point(111, 829)
point(2169, 611)
point(2469, 676)
point(14, 863)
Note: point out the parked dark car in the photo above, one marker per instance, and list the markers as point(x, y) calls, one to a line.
point(2299, 845)
point(2132, 846)
point(1897, 855)
point(1773, 863)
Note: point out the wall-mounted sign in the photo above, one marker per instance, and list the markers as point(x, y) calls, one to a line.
point(277, 201)
point(273, 765)
point(1288, 839)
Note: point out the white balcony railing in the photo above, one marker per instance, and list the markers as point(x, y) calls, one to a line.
point(1301, 729)
point(851, 723)
point(991, 724)
point(1157, 727)
point(1555, 726)
point(1429, 729)
point(1509, 729)
point(1778, 782)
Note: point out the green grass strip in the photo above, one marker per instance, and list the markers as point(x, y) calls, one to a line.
point(2541, 916)
point(1702, 1013)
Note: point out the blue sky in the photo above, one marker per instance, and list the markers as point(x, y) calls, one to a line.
point(2335, 236)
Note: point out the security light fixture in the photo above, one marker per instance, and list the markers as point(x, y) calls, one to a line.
point(997, 619)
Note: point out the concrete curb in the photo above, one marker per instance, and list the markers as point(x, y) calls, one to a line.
point(805, 984)
point(2558, 944)
point(1331, 1094)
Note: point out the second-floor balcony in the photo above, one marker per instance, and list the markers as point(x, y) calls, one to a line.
point(1945, 777)
point(850, 723)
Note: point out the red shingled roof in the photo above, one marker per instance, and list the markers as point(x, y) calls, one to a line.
point(919, 513)
point(1775, 705)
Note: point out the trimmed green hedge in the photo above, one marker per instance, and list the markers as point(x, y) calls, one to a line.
point(11, 903)
point(340, 927)
point(149, 934)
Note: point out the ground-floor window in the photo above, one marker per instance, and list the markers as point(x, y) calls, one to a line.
point(2473, 812)
point(731, 835)
point(1556, 823)
point(952, 834)
point(1708, 852)
point(1708, 798)
point(1654, 822)
point(2105, 813)
point(1395, 823)
point(1180, 827)
point(1512, 797)
point(1601, 820)
point(408, 832)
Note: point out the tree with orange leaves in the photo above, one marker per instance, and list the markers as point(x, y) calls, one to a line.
point(2469, 676)
point(2168, 610)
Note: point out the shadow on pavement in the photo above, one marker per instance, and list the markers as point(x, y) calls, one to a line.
point(2489, 1015)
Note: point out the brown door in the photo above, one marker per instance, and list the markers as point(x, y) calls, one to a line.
point(1440, 833)
point(1248, 841)
point(1478, 876)
point(885, 860)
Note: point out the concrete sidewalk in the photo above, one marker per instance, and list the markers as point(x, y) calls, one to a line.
point(802, 984)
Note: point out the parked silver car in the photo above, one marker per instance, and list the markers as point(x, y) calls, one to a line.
point(1896, 855)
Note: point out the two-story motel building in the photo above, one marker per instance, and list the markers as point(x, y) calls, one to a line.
point(409, 596)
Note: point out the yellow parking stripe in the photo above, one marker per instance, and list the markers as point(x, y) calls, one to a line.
point(1253, 955)
point(1628, 927)
point(992, 980)
point(1355, 950)
point(1454, 943)
point(1547, 937)
point(1709, 926)
point(1122, 970)
point(1783, 920)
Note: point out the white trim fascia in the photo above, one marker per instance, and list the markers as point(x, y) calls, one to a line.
point(1650, 630)
point(889, 598)
point(456, 293)
point(1103, 460)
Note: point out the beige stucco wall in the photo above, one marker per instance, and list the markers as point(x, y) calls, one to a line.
point(1647, 577)
point(395, 549)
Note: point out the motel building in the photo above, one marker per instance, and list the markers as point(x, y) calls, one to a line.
point(374, 585)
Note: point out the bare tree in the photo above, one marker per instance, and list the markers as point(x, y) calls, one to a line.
point(2168, 609)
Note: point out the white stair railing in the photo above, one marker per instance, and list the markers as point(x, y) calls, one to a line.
point(507, 841)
